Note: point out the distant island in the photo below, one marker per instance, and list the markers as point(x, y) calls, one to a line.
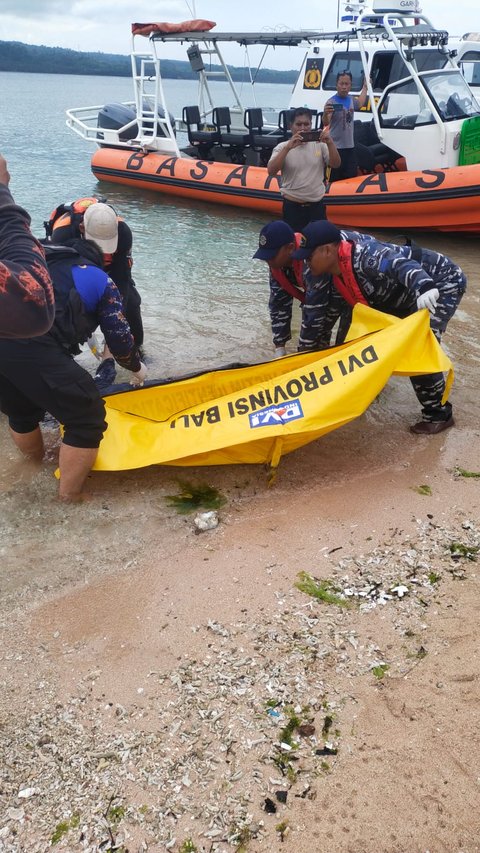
point(38, 59)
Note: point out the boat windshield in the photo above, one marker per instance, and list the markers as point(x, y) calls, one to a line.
point(451, 95)
point(405, 106)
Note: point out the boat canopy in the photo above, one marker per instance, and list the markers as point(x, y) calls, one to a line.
point(199, 25)
point(413, 35)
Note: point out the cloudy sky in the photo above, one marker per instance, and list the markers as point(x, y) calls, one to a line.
point(105, 24)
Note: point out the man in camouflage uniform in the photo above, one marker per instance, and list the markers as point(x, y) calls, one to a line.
point(287, 280)
point(398, 280)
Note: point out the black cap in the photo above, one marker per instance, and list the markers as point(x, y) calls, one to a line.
point(272, 237)
point(317, 234)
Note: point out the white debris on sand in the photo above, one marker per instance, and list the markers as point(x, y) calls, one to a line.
point(219, 733)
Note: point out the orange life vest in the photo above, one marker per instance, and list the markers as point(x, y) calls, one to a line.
point(347, 285)
point(298, 291)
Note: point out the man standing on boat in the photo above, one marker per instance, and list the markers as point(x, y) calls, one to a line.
point(338, 116)
point(67, 223)
point(398, 280)
point(302, 161)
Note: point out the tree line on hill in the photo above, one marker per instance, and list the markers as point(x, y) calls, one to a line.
point(38, 59)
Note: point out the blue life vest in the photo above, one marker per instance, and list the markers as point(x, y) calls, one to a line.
point(78, 285)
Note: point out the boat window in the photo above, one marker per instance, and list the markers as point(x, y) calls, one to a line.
point(470, 66)
point(404, 108)
point(451, 95)
point(344, 60)
point(388, 66)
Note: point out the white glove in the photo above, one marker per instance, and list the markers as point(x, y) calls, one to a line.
point(138, 378)
point(279, 352)
point(428, 300)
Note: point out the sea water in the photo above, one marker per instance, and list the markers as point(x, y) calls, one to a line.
point(204, 298)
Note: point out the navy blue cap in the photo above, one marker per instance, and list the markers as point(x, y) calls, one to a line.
point(272, 237)
point(317, 234)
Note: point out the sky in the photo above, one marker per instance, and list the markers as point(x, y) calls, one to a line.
point(104, 25)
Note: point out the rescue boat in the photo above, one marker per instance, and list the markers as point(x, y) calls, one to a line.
point(418, 141)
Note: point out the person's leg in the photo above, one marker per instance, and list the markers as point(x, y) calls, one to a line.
point(75, 464)
point(317, 211)
point(29, 443)
point(78, 406)
point(23, 414)
point(133, 314)
point(43, 375)
point(429, 388)
point(436, 416)
point(295, 215)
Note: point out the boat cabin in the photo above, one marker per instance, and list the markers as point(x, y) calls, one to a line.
point(421, 111)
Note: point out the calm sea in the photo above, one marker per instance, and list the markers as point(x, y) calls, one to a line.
point(204, 299)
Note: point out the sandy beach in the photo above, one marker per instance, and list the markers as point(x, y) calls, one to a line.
point(164, 690)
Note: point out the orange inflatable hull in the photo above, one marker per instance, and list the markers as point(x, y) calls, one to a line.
point(431, 200)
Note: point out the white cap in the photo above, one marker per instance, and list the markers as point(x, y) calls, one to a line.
point(101, 226)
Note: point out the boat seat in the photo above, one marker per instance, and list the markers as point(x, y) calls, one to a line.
point(373, 155)
point(262, 139)
point(285, 118)
point(235, 142)
point(200, 136)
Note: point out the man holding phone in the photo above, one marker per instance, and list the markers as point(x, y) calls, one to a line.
point(302, 161)
point(338, 117)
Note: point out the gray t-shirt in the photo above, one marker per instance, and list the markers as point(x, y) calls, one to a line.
point(303, 171)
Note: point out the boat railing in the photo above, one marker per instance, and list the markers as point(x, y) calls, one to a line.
point(84, 122)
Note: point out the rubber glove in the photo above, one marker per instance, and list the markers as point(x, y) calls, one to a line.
point(428, 300)
point(279, 352)
point(138, 378)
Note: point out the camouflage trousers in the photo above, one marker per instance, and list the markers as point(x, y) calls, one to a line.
point(430, 387)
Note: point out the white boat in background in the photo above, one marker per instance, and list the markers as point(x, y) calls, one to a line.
point(419, 134)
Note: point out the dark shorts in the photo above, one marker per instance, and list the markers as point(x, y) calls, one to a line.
point(38, 376)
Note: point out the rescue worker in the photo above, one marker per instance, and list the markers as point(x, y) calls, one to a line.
point(40, 374)
point(276, 243)
point(290, 279)
point(26, 292)
point(67, 222)
point(398, 280)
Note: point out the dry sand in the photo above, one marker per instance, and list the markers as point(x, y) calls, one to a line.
point(149, 676)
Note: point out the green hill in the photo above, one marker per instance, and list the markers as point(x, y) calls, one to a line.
point(38, 59)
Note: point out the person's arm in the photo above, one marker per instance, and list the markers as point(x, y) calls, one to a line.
point(334, 159)
point(327, 113)
point(116, 330)
point(120, 267)
point(26, 292)
point(279, 154)
point(361, 99)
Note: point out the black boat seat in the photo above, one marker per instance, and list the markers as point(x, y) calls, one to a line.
point(235, 142)
point(262, 139)
point(200, 135)
point(373, 155)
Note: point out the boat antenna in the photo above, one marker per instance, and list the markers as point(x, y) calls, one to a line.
point(191, 8)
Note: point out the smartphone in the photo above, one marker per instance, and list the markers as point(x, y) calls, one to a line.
point(336, 107)
point(311, 135)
